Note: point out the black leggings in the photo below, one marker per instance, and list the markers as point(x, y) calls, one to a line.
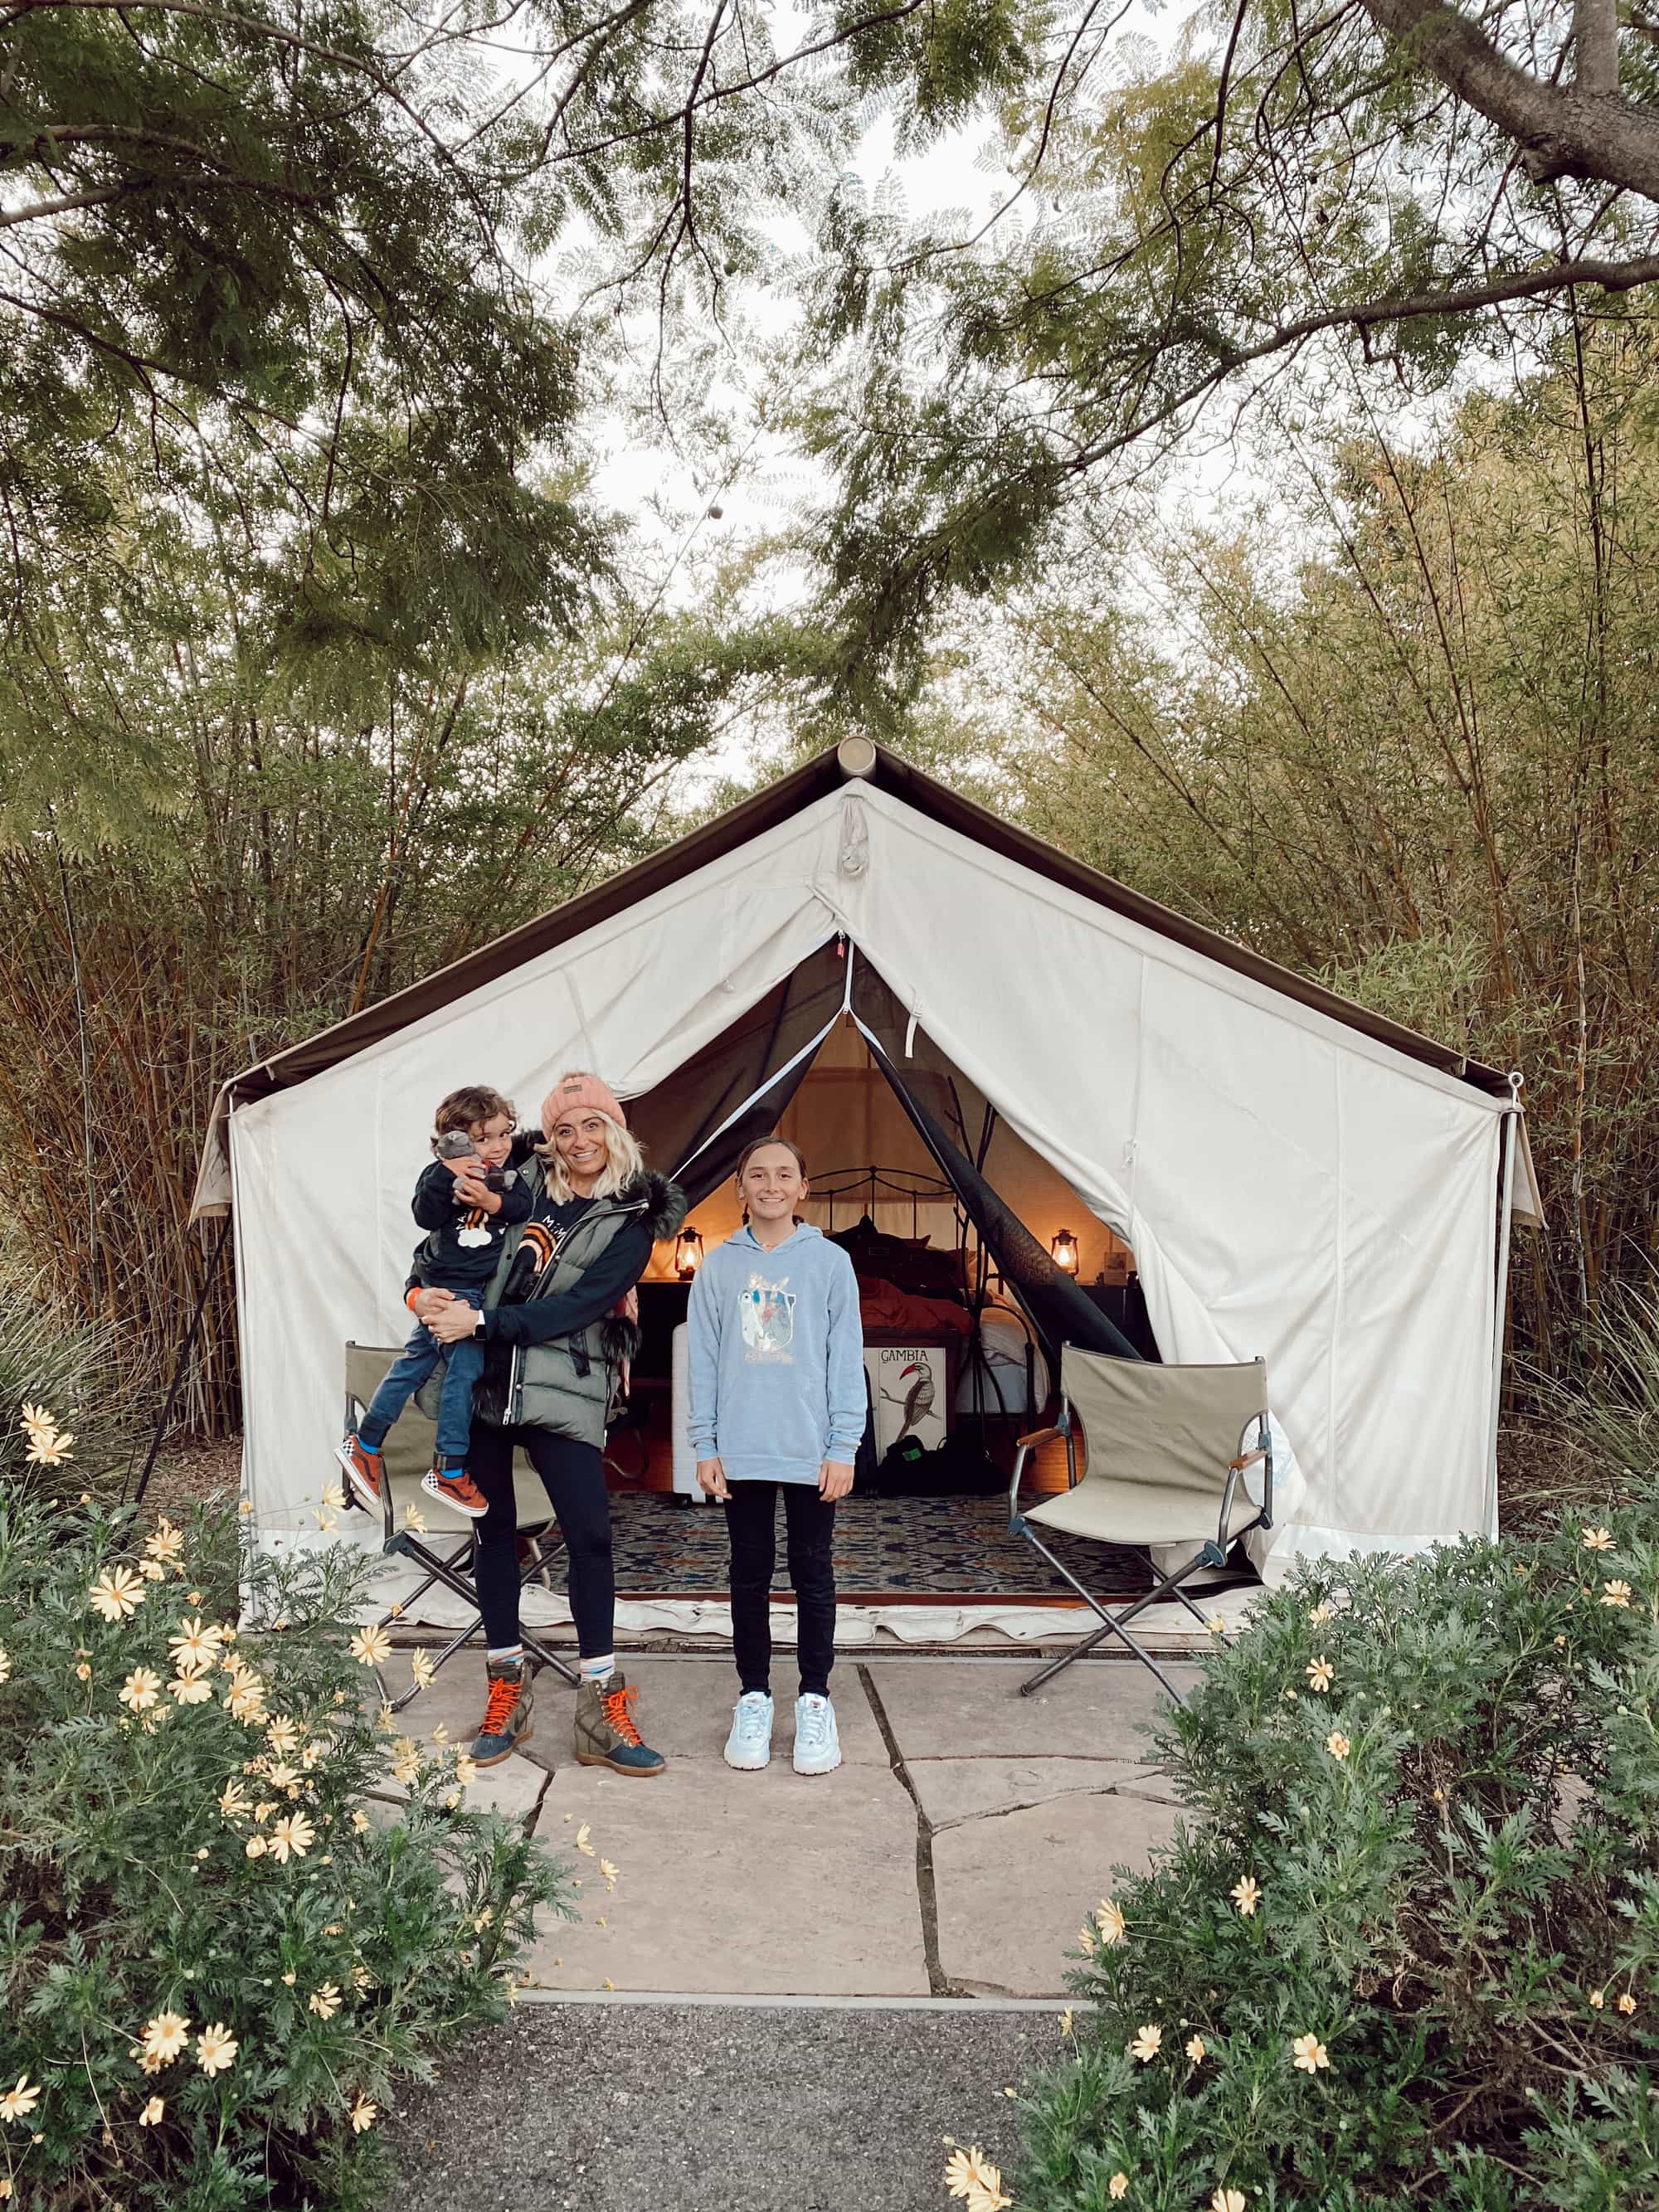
point(572, 1475)
point(751, 1520)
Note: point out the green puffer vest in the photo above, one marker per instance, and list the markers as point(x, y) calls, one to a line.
point(568, 1384)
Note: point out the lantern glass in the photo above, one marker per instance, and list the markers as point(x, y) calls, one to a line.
point(687, 1254)
point(1063, 1251)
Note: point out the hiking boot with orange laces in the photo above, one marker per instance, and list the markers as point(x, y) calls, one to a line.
point(605, 1734)
point(363, 1467)
point(505, 1722)
point(454, 1487)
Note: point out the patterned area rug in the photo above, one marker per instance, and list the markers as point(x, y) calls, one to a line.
point(914, 1548)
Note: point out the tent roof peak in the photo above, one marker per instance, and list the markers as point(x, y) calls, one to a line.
point(856, 761)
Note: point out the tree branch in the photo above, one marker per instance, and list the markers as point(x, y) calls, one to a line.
point(1596, 43)
point(1562, 130)
point(1537, 283)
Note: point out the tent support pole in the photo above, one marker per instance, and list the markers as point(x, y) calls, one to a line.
point(1506, 1201)
point(208, 1275)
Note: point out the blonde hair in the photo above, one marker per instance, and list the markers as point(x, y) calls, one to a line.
point(624, 1163)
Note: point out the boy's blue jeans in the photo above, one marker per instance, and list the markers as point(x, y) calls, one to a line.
point(462, 1363)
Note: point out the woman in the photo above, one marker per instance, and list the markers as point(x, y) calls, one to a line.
point(595, 1215)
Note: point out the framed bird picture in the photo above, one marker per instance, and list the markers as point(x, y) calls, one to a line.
point(912, 1388)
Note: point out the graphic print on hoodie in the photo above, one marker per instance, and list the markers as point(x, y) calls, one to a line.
point(776, 1358)
point(767, 1312)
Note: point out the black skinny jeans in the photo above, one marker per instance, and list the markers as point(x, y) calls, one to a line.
point(751, 1520)
point(572, 1475)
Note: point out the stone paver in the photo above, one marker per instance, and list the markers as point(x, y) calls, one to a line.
point(774, 1884)
point(972, 1709)
point(1011, 1892)
point(739, 1884)
point(952, 1790)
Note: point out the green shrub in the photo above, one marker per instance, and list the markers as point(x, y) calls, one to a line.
point(1403, 1950)
point(184, 1838)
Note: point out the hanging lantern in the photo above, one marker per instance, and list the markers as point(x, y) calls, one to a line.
point(1063, 1249)
point(687, 1254)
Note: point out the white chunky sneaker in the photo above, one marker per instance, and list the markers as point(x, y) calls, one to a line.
point(818, 1741)
point(750, 1744)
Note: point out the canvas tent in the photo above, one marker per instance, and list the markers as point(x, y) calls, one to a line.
point(1296, 1176)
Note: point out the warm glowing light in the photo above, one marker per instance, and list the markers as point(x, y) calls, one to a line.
point(687, 1254)
point(1063, 1251)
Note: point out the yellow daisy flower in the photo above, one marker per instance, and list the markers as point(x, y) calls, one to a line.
point(140, 1690)
point(1321, 1675)
point(293, 1832)
point(150, 2117)
point(194, 1645)
point(1109, 1919)
point(1148, 2042)
point(1197, 2049)
point(17, 2103)
point(1615, 1593)
point(117, 1594)
point(364, 2113)
point(215, 2049)
point(164, 2037)
point(1246, 1894)
point(1310, 2054)
point(1596, 1540)
point(324, 2002)
point(165, 1543)
point(1119, 2185)
point(1337, 1744)
point(371, 1647)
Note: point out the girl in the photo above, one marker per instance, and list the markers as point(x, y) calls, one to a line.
point(594, 1215)
point(778, 1403)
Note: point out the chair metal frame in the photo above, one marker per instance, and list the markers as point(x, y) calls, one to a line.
point(1213, 1552)
point(450, 1569)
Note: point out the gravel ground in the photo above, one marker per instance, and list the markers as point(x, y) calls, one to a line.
point(715, 2108)
point(186, 1472)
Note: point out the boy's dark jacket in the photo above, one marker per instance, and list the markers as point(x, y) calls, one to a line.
point(443, 1262)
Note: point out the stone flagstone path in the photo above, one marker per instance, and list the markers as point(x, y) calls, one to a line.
point(954, 1853)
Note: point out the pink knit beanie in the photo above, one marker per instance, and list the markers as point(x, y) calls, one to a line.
point(577, 1090)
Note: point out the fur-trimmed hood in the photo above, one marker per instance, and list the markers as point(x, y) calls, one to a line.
point(665, 1209)
point(664, 1203)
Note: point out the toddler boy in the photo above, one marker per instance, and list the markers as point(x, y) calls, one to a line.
point(467, 1204)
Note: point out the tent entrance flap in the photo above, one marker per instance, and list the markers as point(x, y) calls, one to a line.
point(1058, 1311)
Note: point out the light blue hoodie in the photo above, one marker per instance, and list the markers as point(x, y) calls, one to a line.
point(777, 1358)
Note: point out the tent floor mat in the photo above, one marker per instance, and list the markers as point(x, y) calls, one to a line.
point(918, 1548)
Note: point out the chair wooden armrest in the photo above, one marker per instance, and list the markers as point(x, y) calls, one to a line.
point(1038, 1437)
point(1245, 1459)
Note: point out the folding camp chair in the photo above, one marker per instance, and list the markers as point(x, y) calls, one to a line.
point(1165, 1466)
point(406, 1456)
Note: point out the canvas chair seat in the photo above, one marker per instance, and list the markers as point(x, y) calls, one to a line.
point(1134, 1513)
point(1165, 1464)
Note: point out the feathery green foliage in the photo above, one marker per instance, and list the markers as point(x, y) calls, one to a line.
point(1413, 1917)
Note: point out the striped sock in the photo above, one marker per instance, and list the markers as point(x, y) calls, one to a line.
point(598, 1671)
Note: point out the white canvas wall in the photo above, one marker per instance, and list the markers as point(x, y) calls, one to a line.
point(1289, 1188)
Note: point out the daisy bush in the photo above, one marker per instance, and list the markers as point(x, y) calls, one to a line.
point(1403, 1949)
point(238, 1906)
